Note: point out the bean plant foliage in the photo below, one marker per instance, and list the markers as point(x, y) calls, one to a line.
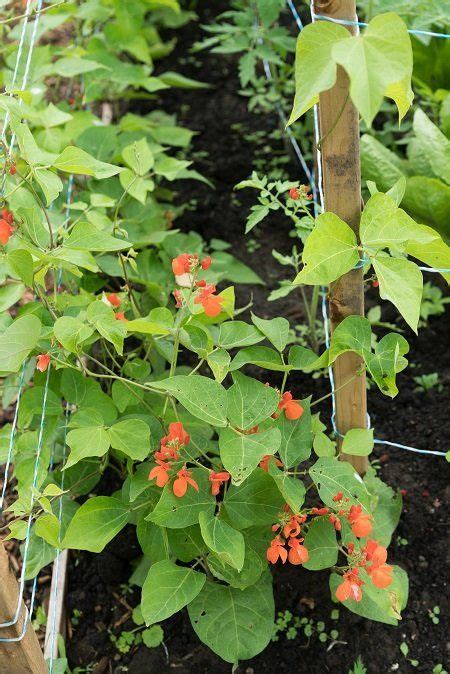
point(135, 365)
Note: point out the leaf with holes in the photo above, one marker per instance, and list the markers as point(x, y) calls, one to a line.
point(250, 401)
point(332, 476)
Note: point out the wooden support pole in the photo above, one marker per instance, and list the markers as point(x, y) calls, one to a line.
point(25, 656)
point(339, 129)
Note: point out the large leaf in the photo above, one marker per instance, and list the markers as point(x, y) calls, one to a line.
point(132, 437)
point(296, 436)
point(17, 341)
point(202, 397)
point(276, 330)
point(238, 334)
point(167, 589)
point(242, 453)
point(379, 64)
point(235, 624)
point(224, 541)
point(330, 475)
point(330, 251)
point(315, 70)
point(74, 160)
point(321, 544)
point(86, 441)
point(434, 144)
point(256, 501)
point(96, 523)
point(10, 294)
point(250, 401)
point(291, 488)
point(71, 332)
point(401, 282)
point(86, 236)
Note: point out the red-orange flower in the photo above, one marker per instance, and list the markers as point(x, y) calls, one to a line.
point(206, 263)
point(292, 528)
point(350, 588)
point(375, 553)
point(181, 264)
point(381, 575)
point(298, 554)
point(7, 215)
point(42, 362)
point(5, 231)
point(113, 299)
point(212, 304)
point(173, 442)
point(13, 169)
point(292, 408)
point(217, 480)
point(120, 316)
point(360, 522)
point(160, 472)
point(276, 551)
point(184, 479)
point(264, 463)
point(294, 193)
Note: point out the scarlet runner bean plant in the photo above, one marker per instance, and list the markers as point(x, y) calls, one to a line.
point(136, 364)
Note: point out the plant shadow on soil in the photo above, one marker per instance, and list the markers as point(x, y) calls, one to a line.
point(95, 581)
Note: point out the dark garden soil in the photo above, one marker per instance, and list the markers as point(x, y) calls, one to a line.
point(96, 582)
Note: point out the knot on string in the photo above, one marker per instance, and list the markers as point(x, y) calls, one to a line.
point(362, 262)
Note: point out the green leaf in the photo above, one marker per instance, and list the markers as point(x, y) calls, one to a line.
point(330, 251)
point(47, 527)
point(235, 624)
point(79, 162)
point(186, 544)
point(262, 356)
point(33, 227)
point(276, 330)
point(315, 69)
point(291, 488)
point(10, 294)
point(95, 523)
point(153, 636)
point(331, 476)
point(435, 253)
point(321, 544)
point(71, 332)
point(250, 401)
point(227, 543)
point(296, 436)
point(379, 63)
point(401, 282)
point(167, 589)
point(241, 453)
point(202, 397)
point(384, 225)
point(386, 509)
point(132, 437)
point(17, 341)
point(138, 157)
point(86, 441)
point(254, 565)
point(358, 442)
point(219, 362)
point(85, 236)
point(21, 263)
point(238, 334)
point(257, 501)
point(434, 144)
point(50, 183)
point(178, 513)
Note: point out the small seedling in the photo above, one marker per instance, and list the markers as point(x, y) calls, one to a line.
point(426, 382)
point(404, 648)
point(358, 667)
point(434, 614)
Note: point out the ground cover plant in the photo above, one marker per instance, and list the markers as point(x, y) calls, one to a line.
point(150, 396)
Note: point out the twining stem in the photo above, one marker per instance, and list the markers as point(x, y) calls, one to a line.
point(335, 123)
point(339, 388)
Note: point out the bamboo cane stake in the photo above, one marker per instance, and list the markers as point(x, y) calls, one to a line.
point(342, 193)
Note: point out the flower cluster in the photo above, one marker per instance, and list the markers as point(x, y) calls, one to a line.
point(171, 446)
point(301, 192)
point(6, 228)
point(372, 557)
point(114, 301)
point(185, 267)
point(360, 522)
point(289, 528)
